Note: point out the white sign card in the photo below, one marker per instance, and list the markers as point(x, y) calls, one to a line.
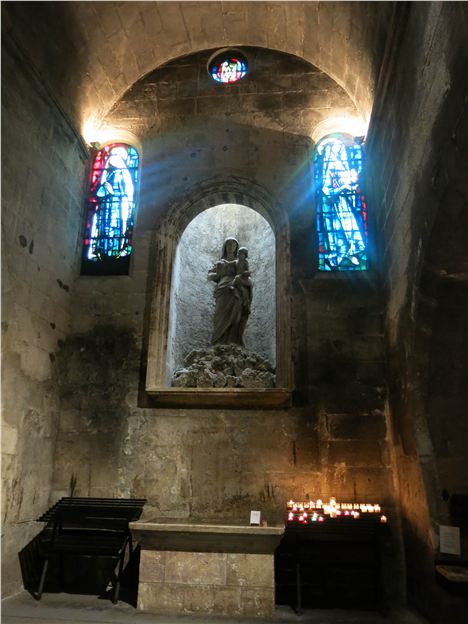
point(449, 540)
point(255, 518)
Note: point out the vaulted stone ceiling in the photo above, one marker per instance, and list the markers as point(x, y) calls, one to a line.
point(90, 53)
point(295, 98)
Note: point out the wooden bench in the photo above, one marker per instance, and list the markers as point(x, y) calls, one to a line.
point(90, 527)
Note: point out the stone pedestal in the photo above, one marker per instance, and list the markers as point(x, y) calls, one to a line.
point(206, 569)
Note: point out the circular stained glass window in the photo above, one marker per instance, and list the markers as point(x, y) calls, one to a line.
point(227, 66)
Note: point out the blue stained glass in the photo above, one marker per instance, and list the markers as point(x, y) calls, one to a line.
point(341, 206)
point(111, 204)
point(228, 69)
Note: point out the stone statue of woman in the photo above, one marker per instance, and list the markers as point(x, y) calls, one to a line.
point(233, 294)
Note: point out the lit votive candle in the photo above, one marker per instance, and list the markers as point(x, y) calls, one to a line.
point(383, 519)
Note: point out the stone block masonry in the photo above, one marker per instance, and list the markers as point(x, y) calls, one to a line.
point(206, 583)
point(42, 171)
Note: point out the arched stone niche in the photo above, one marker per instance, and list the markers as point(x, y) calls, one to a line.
point(167, 236)
point(192, 302)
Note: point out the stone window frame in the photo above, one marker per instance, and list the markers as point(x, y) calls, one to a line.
point(165, 238)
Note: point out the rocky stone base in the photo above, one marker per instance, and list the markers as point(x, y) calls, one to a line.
point(224, 366)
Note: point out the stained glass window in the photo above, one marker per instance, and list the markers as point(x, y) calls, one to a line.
point(341, 205)
point(228, 67)
point(107, 244)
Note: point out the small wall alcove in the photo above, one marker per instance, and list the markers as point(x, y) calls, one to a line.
point(192, 303)
point(187, 242)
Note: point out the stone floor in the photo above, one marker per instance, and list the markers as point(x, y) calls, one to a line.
point(74, 609)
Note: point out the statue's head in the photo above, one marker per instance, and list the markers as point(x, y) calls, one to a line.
point(243, 252)
point(230, 248)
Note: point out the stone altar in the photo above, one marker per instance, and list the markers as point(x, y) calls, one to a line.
point(206, 568)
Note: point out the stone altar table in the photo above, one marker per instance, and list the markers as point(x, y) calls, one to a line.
point(206, 568)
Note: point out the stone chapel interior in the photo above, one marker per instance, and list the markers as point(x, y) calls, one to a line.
point(368, 354)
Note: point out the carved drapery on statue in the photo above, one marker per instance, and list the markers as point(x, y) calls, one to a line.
point(233, 294)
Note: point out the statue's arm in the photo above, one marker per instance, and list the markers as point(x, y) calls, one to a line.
point(246, 272)
point(213, 274)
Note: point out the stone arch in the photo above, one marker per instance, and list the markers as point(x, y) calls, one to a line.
point(228, 190)
point(166, 235)
point(151, 34)
point(360, 92)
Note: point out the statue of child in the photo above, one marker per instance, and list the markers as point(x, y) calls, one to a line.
point(242, 279)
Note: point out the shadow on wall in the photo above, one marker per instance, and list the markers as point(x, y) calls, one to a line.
point(428, 398)
point(73, 574)
point(94, 372)
point(32, 26)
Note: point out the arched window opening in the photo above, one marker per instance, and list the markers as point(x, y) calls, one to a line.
point(341, 205)
point(107, 244)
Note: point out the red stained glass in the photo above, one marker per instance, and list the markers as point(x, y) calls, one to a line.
point(111, 204)
point(227, 67)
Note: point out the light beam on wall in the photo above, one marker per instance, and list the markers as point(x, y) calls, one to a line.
point(90, 130)
point(352, 125)
point(97, 134)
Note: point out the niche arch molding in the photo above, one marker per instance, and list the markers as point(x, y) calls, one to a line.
point(167, 231)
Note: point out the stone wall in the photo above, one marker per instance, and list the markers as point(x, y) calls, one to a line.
point(418, 147)
point(191, 462)
point(345, 377)
point(218, 463)
point(42, 177)
point(295, 98)
point(207, 583)
point(222, 463)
